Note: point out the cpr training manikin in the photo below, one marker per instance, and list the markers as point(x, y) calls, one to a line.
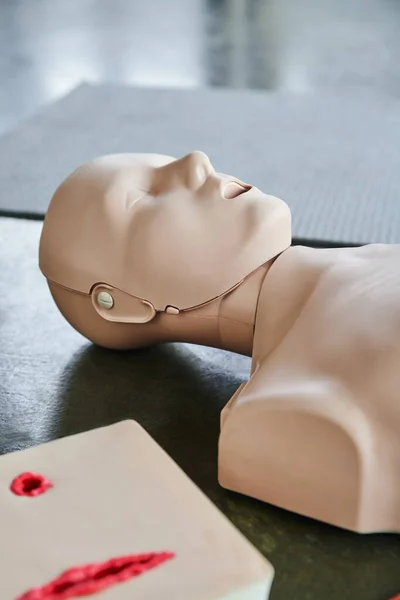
point(141, 249)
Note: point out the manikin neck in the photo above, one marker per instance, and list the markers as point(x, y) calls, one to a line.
point(226, 323)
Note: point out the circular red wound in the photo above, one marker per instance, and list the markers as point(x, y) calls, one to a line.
point(30, 484)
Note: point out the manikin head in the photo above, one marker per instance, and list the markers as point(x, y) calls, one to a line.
point(144, 234)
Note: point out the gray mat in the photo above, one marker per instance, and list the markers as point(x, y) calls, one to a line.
point(334, 160)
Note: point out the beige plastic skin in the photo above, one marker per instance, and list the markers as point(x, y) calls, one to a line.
point(169, 232)
point(316, 428)
point(116, 493)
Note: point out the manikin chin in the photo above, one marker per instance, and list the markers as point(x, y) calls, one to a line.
point(142, 249)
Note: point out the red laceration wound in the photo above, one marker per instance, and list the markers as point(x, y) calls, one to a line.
point(30, 484)
point(90, 579)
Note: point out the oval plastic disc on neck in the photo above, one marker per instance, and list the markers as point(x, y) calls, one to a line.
point(115, 305)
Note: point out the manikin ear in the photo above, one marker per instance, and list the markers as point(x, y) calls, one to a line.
point(191, 171)
point(119, 307)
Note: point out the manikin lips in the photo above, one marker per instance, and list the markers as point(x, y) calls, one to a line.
point(89, 579)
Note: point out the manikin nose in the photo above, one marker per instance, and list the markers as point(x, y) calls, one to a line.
point(197, 168)
point(190, 171)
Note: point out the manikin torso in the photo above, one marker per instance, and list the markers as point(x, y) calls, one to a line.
point(185, 254)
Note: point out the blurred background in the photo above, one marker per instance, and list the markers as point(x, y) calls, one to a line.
point(47, 47)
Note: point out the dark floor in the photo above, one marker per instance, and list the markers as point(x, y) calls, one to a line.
point(48, 46)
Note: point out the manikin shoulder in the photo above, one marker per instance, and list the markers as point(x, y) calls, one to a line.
point(301, 262)
point(326, 285)
point(329, 327)
point(315, 429)
point(330, 315)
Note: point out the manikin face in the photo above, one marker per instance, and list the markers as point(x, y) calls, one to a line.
point(171, 232)
point(119, 520)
